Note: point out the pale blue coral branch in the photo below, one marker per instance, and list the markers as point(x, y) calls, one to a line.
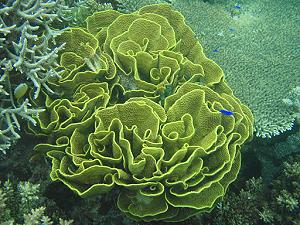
point(9, 114)
point(20, 24)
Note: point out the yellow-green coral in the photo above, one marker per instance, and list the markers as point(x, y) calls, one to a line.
point(151, 49)
point(63, 112)
point(117, 122)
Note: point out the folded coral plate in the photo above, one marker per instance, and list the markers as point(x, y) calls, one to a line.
point(140, 109)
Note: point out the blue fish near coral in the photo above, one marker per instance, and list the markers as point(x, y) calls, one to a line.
point(226, 112)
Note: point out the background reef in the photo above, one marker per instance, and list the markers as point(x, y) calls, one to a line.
point(256, 44)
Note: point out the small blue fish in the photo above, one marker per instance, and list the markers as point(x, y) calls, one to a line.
point(237, 7)
point(226, 112)
point(216, 50)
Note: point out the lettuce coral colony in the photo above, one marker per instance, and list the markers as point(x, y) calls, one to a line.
point(139, 109)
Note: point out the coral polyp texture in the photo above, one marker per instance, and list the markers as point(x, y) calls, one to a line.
point(141, 109)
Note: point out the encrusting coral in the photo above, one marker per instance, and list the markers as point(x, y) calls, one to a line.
point(140, 108)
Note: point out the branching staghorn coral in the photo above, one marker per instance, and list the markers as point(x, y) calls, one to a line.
point(9, 110)
point(26, 43)
point(26, 59)
point(142, 108)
